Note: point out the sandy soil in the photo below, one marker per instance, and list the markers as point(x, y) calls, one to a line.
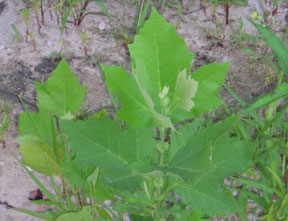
point(21, 64)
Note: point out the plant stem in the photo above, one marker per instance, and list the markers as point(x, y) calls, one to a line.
point(162, 148)
point(227, 11)
point(36, 7)
point(284, 201)
point(42, 12)
point(80, 16)
point(50, 9)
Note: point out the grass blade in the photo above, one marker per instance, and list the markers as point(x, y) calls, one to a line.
point(104, 9)
point(276, 45)
point(143, 14)
point(280, 92)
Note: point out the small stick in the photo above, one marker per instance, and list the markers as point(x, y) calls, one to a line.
point(50, 9)
point(36, 7)
point(42, 12)
point(203, 5)
point(227, 11)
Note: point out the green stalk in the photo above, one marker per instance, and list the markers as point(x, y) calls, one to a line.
point(36, 7)
point(284, 203)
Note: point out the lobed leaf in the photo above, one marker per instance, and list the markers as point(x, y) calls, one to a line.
point(210, 78)
point(194, 159)
point(202, 163)
point(157, 56)
point(163, 54)
point(62, 94)
point(229, 156)
point(123, 156)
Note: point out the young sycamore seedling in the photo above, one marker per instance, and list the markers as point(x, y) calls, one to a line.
point(100, 159)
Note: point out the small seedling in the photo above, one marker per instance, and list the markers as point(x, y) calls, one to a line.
point(50, 9)
point(84, 43)
point(16, 36)
point(25, 13)
point(36, 8)
point(32, 37)
point(4, 125)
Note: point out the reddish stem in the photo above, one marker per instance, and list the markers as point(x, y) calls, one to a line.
point(42, 12)
point(227, 11)
point(203, 6)
point(274, 12)
point(34, 44)
point(80, 17)
point(27, 32)
point(85, 51)
point(50, 9)
point(38, 22)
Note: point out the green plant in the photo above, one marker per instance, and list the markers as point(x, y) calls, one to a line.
point(84, 43)
point(275, 44)
point(227, 4)
point(32, 37)
point(268, 177)
point(25, 13)
point(101, 159)
point(4, 125)
point(16, 36)
point(270, 174)
point(74, 11)
point(142, 13)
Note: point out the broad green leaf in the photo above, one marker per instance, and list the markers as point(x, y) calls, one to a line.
point(161, 52)
point(62, 94)
point(157, 55)
point(195, 158)
point(103, 143)
point(39, 124)
point(210, 200)
point(134, 108)
point(229, 156)
point(180, 137)
point(40, 158)
point(86, 214)
point(210, 78)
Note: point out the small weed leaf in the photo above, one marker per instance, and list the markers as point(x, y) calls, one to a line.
point(62, 94)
